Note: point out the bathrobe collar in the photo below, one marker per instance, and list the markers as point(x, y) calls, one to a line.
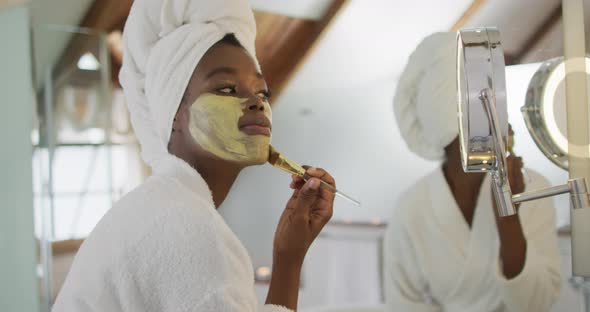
point(179, 170)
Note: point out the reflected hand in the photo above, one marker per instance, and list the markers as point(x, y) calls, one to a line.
point(515, 175)
point(307, 211)
point(512, 240)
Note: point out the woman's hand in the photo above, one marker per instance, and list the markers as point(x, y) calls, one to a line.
point(515, 178)
point(512, 240)
point(515, 175)
point(307, 211)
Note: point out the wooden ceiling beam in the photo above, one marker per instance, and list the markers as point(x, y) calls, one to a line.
point(473, 8)
point(107, 15)
point(515, 57)
point(284, 42)
point(537, 36)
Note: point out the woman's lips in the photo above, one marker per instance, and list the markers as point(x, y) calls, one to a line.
point(256, 130)
point(255, 124)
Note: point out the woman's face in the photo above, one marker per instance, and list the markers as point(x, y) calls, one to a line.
point(225, 112)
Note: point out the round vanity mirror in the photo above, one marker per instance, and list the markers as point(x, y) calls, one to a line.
point(480, 66)
point(544, 111)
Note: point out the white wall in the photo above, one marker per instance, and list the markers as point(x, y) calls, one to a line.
point(337, 113)
point(17, 247)
point(570, 298)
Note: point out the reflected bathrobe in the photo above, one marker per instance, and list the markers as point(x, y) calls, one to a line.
point(435, 262)
point(162, 247)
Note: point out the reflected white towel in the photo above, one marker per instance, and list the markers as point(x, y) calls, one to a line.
point(425, 101)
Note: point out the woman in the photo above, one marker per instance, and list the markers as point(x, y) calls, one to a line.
point(445, 248)
point(199, 106)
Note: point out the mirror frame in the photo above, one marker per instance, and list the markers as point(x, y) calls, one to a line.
point(544, 82)
point(480, 66)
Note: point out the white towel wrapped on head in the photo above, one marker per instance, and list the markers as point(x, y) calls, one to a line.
point(425, 102)
point(163, 42)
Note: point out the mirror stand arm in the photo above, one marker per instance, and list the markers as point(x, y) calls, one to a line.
point(575, 187)
point(501, 189)
point(504, 198)
point(542, 193)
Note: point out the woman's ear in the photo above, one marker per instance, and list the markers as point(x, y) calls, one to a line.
point(177, 128)
point(182, 118)
point(174, 125)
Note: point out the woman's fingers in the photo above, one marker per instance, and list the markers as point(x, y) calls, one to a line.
point(307, 212)
point(312, 172)
point(296, 182)
point(326, 194)
point(515, 176)
point(306, 197)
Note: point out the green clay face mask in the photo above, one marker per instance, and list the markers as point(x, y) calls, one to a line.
point(214, 126)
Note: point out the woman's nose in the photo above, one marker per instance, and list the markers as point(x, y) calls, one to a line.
point(256, 104)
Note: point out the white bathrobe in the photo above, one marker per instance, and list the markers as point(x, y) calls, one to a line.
point(162, 247)
point(435, 262)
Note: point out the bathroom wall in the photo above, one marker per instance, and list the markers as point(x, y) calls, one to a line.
point(18, 290)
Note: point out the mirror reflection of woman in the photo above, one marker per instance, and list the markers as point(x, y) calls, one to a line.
point(200, 109)
point(445, 248)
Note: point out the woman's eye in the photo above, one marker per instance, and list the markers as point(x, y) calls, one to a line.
point(227, 90)
point(264, 95)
